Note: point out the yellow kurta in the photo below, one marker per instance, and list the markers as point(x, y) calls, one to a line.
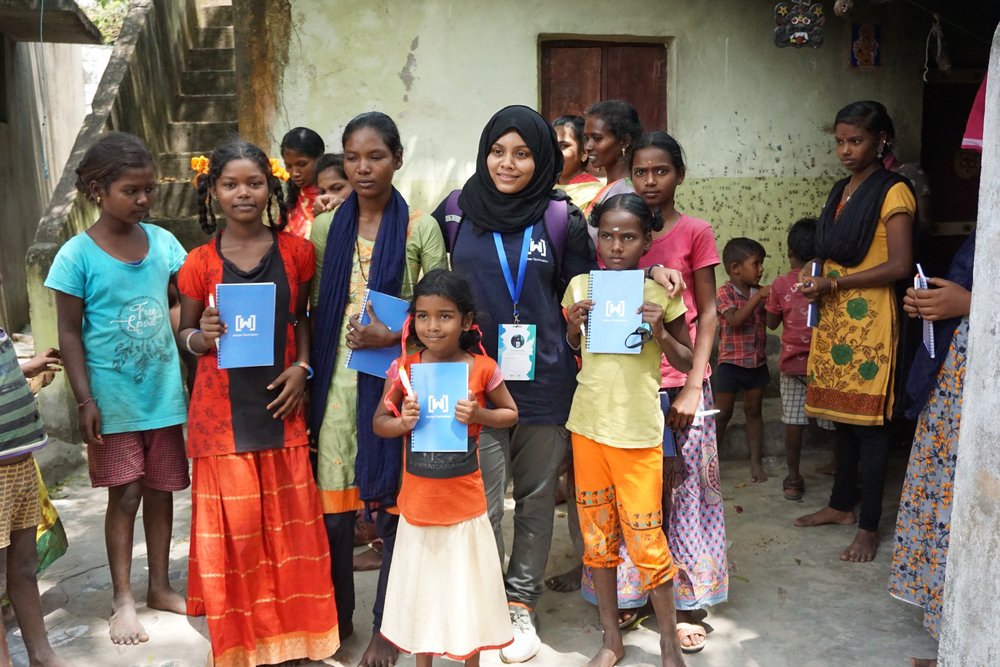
point(853, 353)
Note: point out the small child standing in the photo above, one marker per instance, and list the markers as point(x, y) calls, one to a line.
point(616, 423)
point(21, 433)
point(787, 307)
point(112, 286)
point(445, 594)
point(743, 345)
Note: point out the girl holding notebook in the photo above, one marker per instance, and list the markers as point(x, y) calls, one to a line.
point(445, 592)
point(253, 494)
point(616, 424)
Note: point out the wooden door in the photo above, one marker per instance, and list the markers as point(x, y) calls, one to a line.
point(577, 73)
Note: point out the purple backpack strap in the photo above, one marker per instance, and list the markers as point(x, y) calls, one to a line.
point(452, 218)
point(556, 222)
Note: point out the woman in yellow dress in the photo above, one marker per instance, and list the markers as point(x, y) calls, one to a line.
point(864, 241)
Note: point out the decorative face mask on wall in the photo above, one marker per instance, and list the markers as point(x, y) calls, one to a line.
point(800, 23)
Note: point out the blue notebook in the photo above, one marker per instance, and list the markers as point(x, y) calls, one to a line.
point(617, 297)
point(392, 312)
point(439, 387)
point(247, 309)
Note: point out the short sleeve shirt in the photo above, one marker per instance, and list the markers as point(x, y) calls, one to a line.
point(128, 343)
point(687, 247)
point(745, 345)
point(616, 401)
point(786, 301)
point(20, 424)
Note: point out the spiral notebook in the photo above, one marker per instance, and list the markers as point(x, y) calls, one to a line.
point(247, 309)
point(392, 313)
point(439, 387)
point(617, 297)
point(920, 282)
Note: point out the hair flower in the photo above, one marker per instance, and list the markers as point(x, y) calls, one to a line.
point(278, 170)
point(199, 164)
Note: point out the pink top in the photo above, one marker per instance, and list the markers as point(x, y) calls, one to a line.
point(796, 335)
point(689, 246)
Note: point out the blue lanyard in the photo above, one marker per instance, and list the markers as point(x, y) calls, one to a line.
point(522, 265)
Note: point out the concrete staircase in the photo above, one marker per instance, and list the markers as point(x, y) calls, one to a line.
point(202, 116)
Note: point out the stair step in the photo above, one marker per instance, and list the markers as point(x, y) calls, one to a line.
point(201, 108)
point(187, 230)
point(176, 166)
point(214, 81)
point(187, 137)
point(215, 16)
point(215, 38)
point(198, 60)
point(175, 199)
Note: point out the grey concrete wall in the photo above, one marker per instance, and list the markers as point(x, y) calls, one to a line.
point(25, 187)
point(135, 95)
point(969, 635)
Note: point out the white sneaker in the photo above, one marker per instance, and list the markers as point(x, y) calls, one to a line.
point(526, 642)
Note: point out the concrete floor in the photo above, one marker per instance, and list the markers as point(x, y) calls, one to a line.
point(792, 602)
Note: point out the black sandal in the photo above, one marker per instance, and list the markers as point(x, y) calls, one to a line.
point(793, 488)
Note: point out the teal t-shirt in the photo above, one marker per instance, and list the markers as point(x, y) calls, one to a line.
point(131, 356)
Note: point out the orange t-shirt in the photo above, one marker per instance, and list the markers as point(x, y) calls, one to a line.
point(426, 501)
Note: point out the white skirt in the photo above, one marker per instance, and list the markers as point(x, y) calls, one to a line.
point(445, 594)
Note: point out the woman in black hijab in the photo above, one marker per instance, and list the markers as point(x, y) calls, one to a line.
point(518, 241)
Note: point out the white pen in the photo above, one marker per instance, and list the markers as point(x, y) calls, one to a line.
point(405, 380)
point(707, 413)
point(211, 304)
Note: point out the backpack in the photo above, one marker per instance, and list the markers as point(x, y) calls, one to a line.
point(556, 220)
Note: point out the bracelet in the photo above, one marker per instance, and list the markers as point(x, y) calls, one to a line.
point(307, 367)
point(575, 348)
point(81, 406)
point(834, 287)
point(187, 342)
point(649, 270)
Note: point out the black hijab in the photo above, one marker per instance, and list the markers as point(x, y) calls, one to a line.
point(491, 210)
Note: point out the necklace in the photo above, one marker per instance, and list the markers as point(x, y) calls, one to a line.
point(852, 191)
point(361, 261)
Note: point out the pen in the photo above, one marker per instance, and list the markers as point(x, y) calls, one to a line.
point(405, 380)
point(211, 304)
point(707, 413)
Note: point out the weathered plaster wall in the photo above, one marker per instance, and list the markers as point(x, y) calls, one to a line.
point(25, 187)
point(751, 117)
point(972, 588)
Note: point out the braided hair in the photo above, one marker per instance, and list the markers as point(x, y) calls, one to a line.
point(223, 155)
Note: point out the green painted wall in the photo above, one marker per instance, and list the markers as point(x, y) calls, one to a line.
point(753, 119)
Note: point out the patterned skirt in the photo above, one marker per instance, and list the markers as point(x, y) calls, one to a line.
point(259, 568)
point(923, 528)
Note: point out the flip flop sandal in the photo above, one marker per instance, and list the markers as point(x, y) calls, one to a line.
point(793, 488)
point(688, 630)
point(631, 622)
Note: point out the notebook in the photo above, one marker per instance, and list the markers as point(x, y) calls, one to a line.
point(439, 387)
point(617, 297)
point(920, 282)
point(392, 312)
point(812, 311)
point(247, 309)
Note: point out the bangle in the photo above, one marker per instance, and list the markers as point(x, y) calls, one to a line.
point(575, 348)
point(834, 287)
point(81, 406)
point(649, 270)
point(187, 342)
point(307, 367)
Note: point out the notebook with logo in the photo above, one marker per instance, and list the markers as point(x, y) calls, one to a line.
point(439, 387)
point(247, 309)
point(617, 297)
point(392, 312)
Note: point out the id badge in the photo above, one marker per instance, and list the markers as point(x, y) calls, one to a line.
point(516, 351)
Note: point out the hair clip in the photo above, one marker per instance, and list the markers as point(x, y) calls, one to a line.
point(277, 170)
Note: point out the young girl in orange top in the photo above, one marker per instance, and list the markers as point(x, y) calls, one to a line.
point(300, 149)
point(445, 594)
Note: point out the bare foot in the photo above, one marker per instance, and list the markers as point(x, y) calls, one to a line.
point(166, 600)
point(125, 627)
point(863, 548)
point(567, 582)
point(608, 656)
point(49, 660)
point(757, 474)
point(923, 662)
point(670, 652)
point(380, 653)
point(826, 516)
point(367, 560)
